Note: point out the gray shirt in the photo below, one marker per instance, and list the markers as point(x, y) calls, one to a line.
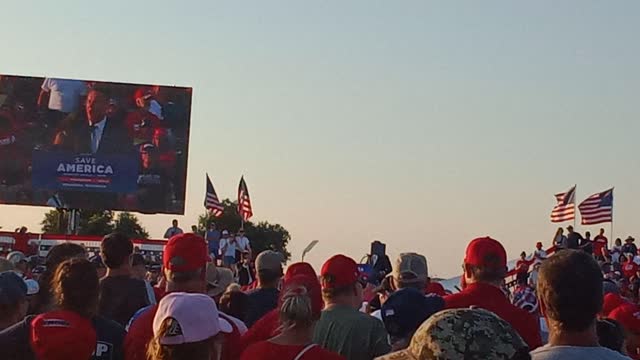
point(171, 232)
point(548, 352)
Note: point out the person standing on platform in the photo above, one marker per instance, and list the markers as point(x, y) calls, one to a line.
point(213, 241)
point(600, 246)
point(560, 240)
point(173, 230)
point(574, 239)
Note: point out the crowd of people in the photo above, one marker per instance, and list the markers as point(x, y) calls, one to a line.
point(110, 306)
point(103, 119)
point(227, 249)
point(620, 264)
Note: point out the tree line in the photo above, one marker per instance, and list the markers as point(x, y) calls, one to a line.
point(263, 235)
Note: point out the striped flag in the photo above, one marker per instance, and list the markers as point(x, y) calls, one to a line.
point(566, 208)
point(211, 201)
point(244, 202)
point(597, 208)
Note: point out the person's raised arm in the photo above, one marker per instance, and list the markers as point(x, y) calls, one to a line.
point(43, 99)
point(45, 92)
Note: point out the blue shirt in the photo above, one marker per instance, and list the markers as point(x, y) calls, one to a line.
point(261, 301)
point(213, 239)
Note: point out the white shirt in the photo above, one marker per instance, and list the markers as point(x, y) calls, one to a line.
point(64, 95)
point(539, 255)
point(615, 254)
point(231, 248)
point(243, 243)
point(548, 352)
point(96, 134)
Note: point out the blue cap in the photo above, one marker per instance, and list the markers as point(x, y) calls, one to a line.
point(97, 261)
point(12, 288)
point(406, 309)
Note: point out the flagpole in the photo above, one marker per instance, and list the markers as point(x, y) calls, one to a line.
point(612, 201)
point(575, 207)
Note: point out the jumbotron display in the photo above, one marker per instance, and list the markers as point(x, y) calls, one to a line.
point(80, 144)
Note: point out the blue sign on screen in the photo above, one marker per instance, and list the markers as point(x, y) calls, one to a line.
point(85, 172)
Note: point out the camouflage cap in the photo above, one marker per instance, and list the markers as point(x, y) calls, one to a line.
point(462, 334)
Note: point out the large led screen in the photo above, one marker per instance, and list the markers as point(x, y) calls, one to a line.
point(81, 144)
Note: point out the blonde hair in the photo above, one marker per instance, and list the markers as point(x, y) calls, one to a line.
point(201, 350)
point(296, 310)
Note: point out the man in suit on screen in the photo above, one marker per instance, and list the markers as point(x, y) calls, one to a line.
point(92, 131)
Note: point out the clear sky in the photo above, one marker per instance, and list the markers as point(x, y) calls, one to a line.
point(422, 124)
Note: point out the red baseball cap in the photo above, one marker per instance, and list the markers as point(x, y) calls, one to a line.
point(435, 288)
point(185, 252)
point(628, 315)
point(611, 302)
point(62, 335)
point(486, 251)
point(300, 268)
point(339, 271)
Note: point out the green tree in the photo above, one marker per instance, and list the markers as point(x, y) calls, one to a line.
point(93, 222)
point(263, 236)
point(54, 222)
point(229, 220)
point(128, 224)
point(266, 236)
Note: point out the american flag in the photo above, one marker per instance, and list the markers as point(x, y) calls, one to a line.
point(597, 208)
point(211, 201)
point(566, 208)
point(244, 202)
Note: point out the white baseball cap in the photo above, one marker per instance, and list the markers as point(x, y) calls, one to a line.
point(16, 257)
point(194, 318)
point(32, 287)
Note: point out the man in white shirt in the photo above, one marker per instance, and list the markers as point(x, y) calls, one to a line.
point(540, 254)
point(228, 247)
point(62, 95)
point(242, 243)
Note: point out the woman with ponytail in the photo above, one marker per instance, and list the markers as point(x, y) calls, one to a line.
point(299, 310)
